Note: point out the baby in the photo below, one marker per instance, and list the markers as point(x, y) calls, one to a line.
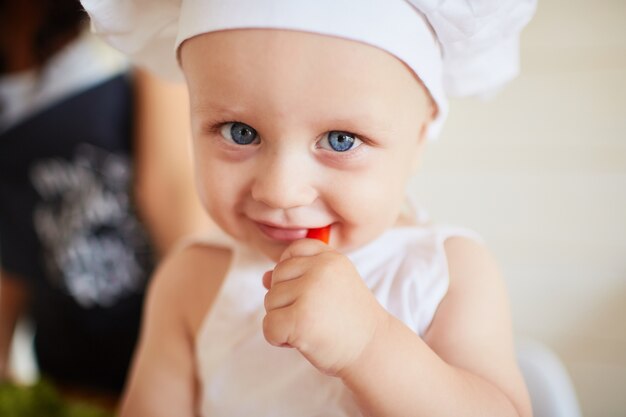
point(308, 115)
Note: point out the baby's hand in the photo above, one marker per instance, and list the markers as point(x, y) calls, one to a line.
point(317, 303)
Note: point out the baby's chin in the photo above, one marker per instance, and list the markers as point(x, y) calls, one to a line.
point(273, 254)
point(272, 251)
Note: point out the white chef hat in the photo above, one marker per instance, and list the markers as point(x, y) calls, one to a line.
point(455, 47)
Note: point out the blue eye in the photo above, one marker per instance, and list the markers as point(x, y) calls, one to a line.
point(240, 133)
point(340, 141)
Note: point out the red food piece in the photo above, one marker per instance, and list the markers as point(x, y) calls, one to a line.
point(322, 233)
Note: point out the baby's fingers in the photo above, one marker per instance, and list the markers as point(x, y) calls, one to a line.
point(282, 295)
point(267, 279)
point(290, 269)
point(304, 247)
point(279, 326)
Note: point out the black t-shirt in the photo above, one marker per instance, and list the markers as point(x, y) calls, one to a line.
point(68, 226)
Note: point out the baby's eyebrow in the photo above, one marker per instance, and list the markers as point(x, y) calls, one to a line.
point(216, 110)
point(362, 123)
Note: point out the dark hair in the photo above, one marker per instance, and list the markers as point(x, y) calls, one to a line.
point(60, 22)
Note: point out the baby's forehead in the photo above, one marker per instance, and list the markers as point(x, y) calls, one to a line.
point(304, 69)
point(299, 76)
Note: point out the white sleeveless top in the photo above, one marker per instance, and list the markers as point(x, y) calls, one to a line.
point(241, 374)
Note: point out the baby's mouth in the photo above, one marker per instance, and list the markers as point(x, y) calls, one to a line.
point(282, 233)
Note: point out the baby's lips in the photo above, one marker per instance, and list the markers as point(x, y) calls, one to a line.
point(322, 233)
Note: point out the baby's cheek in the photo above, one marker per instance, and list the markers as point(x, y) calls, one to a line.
point(364, 215)
point(376, 198)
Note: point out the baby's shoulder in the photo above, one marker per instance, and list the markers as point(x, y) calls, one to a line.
point(187, 281)
point(468, 257)
point(474, 276)
point(195, 260)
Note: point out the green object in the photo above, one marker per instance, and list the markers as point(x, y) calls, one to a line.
point(42, 400)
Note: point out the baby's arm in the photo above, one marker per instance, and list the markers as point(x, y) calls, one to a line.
point(464, 366)
point(163, 379)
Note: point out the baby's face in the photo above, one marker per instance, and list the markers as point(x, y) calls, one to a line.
point(295, 131)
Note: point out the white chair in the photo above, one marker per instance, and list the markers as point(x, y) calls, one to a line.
point(551, 390)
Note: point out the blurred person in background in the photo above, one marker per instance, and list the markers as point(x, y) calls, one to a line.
point(94, 187)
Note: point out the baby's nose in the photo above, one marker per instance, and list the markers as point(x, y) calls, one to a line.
point(284, 182)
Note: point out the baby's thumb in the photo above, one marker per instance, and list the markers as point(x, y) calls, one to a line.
point(267, 279)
